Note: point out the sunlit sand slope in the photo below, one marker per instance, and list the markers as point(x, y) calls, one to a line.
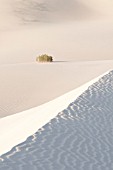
point(79, 138)
point(24, 86)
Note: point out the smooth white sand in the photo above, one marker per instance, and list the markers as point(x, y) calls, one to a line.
point(20, 126)
point(70, 41)
point(84, 34)
point(24, 86)
point(81, 33)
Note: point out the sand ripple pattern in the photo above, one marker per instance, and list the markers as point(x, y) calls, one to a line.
point(79, 138)
point(50, 11)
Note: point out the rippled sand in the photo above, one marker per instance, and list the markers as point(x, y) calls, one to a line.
point(80, 137)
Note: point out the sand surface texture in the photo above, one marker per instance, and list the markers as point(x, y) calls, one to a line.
point(71, 31)
point(80, 137)
point(24, 86)
point(74, 30)
point(79, 35)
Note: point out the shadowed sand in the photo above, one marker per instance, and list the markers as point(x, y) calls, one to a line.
point(79, 33)
point(80, 137)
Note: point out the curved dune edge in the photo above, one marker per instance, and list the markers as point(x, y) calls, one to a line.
point(16, 128)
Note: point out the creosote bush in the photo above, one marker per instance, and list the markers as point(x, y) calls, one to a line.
point(44, 58)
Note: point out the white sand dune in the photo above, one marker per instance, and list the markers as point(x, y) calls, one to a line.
point(80, 137)
point(75, 41)
point(77, 138)
point(20, 126)
point(71, 39)
point(78, 31)
point(68, 39)
point(24, 86)
point(52, 11)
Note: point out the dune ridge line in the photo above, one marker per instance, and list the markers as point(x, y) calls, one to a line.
point(17, 128)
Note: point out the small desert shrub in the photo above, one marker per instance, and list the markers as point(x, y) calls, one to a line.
point(44, 58)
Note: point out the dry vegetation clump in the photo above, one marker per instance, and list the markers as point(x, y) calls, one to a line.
point(44, 58)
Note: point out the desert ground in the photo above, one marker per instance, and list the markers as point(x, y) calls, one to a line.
point(77, 34)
